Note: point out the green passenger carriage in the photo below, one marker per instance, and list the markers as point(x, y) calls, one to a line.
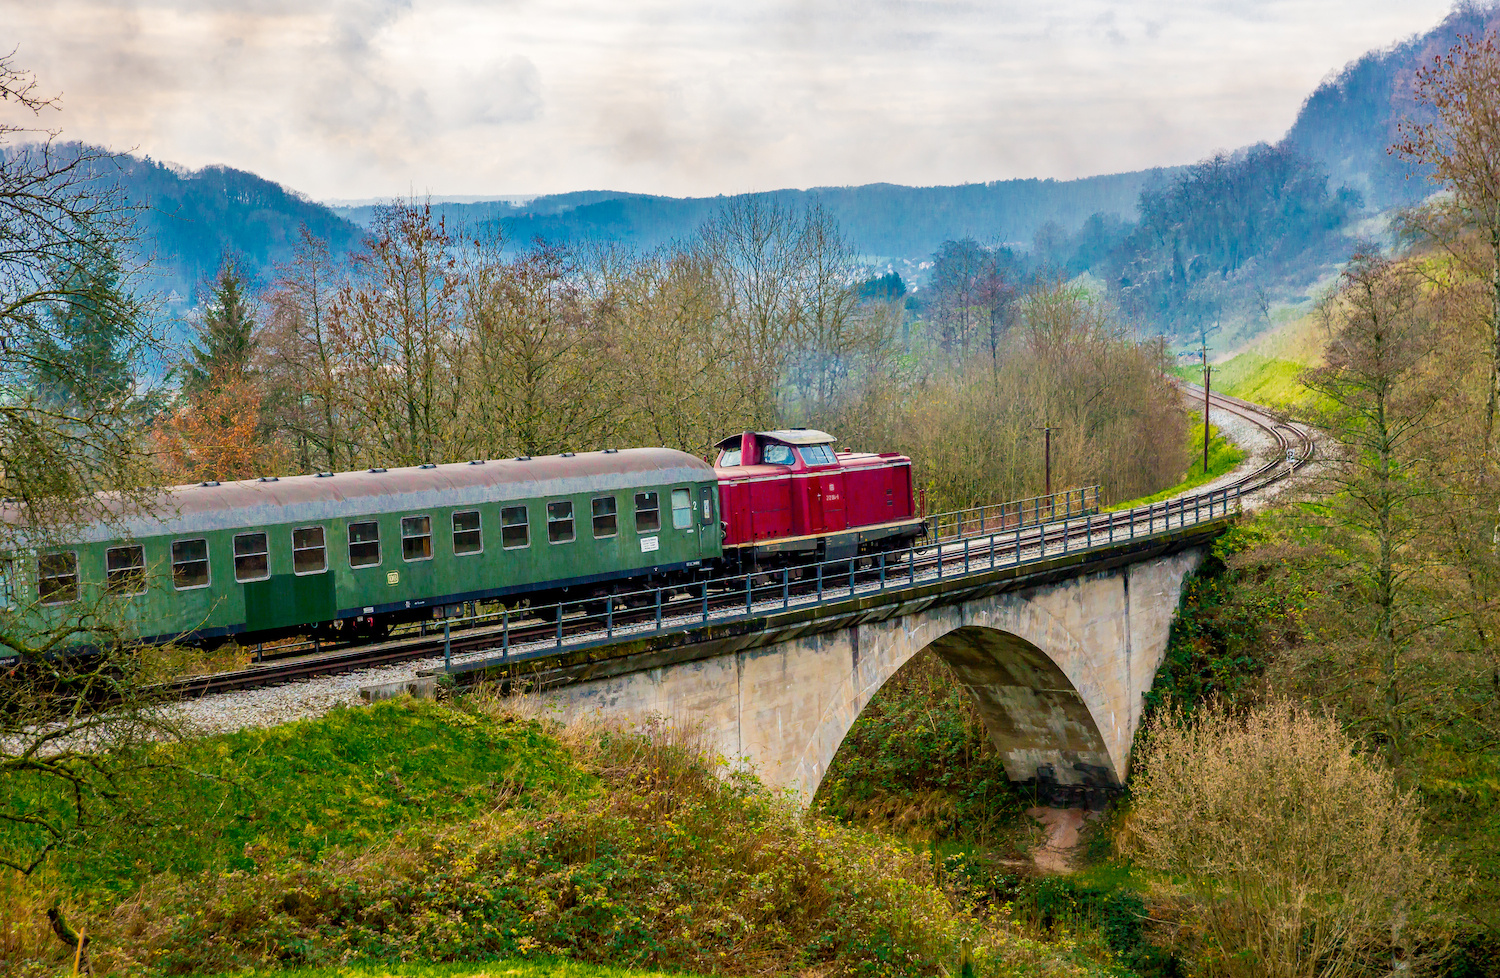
point(360, 551)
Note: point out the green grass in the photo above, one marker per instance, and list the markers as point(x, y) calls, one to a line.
point(512, 968)
point(350, 778)
point(1223, 456)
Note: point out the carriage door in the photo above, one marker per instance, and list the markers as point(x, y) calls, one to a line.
point(707, 532)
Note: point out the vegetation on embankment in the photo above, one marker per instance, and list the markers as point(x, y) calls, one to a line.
point(541, 967)
point(1224, 456)
point(415, 831)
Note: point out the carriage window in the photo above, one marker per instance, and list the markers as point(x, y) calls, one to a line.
point(309, 556)
point(774, 454)
point(682, 509)
point(647, 513)
point(125, 570)
point(189, 564)
point(817, 455)
point(57, 577)
point(251, 560)
point(416, 538)
point(515, 532)
point(466, 536)
point(364, 544)
point(560, 522)
point(7, 586)
point(604, 517)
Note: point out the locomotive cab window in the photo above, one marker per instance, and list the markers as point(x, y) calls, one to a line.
point(416, 538)
point(466, 535)
point(647, 512)
point(309, 554)
point(731, 457)
point(364, 544)
point(605, 524)
point(189, 564)
point(682, 509)
point(57, 577)
point(774, 454)
point(515, 531)
point(560, 522)
point(125, 570)
point(251, 558)
point(817, 455)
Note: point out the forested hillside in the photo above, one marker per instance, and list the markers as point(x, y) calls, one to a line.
point(1350, 120)
point(880, 219)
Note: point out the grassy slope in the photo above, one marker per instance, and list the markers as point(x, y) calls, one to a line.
point(414, 831)
point(1266, 372)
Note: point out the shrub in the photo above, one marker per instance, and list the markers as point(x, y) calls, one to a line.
point(1302, 857)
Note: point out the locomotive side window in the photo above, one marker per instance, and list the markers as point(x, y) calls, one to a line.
point(364, 544)
point(189, 564)
point(57, 577)
point(251, 560)
point(416, 538)
point(515, 531)
point(817, 455)
point(309, 555)
point(466, 535)
point(647, 512)
point(604, 517)
point(125, 570)
point(774, 454)
point(560, 522)
point(682, 509)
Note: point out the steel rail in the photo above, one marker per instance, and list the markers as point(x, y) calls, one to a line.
point(523, 636)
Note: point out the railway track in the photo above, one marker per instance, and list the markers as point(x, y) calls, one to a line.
point(522, 635)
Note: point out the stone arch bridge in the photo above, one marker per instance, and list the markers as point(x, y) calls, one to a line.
point(1057, 655)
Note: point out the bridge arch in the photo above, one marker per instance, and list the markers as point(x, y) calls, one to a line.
point(1057, 668)
point(1034, 713)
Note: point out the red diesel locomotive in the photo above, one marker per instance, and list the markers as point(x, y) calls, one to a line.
point(786, 497)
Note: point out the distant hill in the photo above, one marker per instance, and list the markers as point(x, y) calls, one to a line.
point(881, 220)
point(1347, 123)
point(191, 220)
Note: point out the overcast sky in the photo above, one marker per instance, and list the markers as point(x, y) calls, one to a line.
point(362, 98)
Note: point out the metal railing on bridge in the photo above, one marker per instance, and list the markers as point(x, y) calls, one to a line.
point(1031, 511)
point(550, 630)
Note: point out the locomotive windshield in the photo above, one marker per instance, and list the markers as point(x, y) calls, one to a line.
point(774, 454)
point(817, 454)
point(730, 457)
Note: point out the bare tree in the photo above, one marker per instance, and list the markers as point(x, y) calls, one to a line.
point(1462, 147)
point(397, 330)
point(299, 358)
point(1384, 403)
point(542, 373)
point(68, 464)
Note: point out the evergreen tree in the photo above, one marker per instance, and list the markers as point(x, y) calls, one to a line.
point(81, 360)
point(226, 338)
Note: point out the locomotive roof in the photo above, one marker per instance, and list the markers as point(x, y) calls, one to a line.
point(790, 436)
point(313, 498)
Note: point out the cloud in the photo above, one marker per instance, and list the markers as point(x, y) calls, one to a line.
point(349, 98)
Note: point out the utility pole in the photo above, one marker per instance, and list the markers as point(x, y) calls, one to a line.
point(1046, 431)
point(1206, 371)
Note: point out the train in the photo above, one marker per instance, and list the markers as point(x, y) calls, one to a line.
point(350, 555)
